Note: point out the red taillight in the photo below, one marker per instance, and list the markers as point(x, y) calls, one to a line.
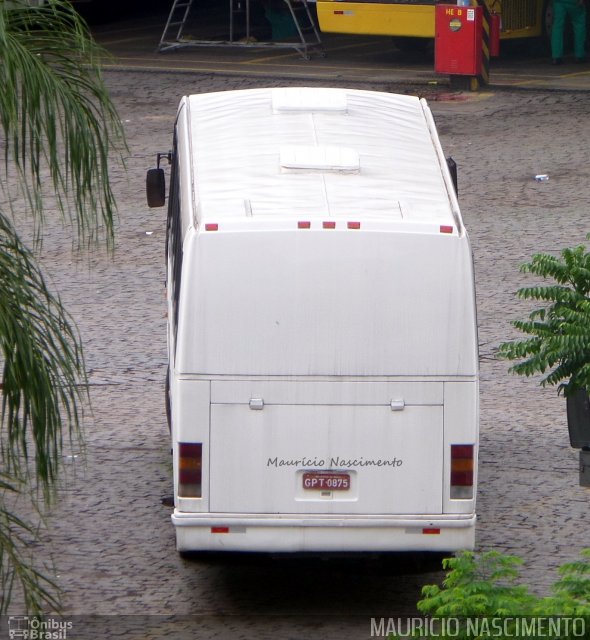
point(354, 225)
point(329, 224)
point(304, 224)
point(190, 468)
point(211, 226)
point(462, 464)
point(445, 228)
point(431, 532)
point(219, 529)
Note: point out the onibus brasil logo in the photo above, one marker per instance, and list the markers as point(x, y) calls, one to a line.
point(33, 628)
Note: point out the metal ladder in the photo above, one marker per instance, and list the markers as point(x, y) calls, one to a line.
point(308, 39)
point(176, 21)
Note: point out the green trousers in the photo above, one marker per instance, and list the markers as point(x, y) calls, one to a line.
point(577, 14)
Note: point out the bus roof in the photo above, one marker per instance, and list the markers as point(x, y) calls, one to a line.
point(271, 154)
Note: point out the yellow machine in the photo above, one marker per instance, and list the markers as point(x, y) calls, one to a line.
point(413, 18)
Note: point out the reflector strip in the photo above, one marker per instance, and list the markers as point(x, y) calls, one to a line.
point(211, 226)
point(329, 224)
point(304, 225)
point(219, 529)
point(190, 456)
point(354, 225)
point(430, 532)
point(446, 228)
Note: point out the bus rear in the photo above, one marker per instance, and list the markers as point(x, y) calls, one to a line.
point(327, 379)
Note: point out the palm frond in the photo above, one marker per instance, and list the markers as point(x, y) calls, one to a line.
point(19, 570)
point(60, 135)
point(59, 122)
point(43, 368)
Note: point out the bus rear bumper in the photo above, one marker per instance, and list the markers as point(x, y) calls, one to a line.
point(269, 533)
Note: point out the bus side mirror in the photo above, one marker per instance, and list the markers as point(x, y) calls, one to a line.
point(155, 187)
point(155, 182)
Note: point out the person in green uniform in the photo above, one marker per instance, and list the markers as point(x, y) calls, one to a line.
point(576, 10)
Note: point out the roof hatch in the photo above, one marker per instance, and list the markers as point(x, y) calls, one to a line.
point(293, 99)
point(319, 158)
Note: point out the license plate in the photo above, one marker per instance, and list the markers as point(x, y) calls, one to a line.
point(326, 481)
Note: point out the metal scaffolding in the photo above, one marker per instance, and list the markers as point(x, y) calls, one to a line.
point(306, 38)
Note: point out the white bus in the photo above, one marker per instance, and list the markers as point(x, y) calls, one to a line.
point(323, 366)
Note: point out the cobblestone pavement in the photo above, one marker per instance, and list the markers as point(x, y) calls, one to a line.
point(111, 538)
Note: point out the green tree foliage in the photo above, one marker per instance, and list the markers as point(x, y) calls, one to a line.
point(483, 590)
point(484, 585)
point(60, 133)
point(558, 342)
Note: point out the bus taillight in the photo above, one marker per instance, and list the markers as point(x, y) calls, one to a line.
point(190, 465)
point(462, 471)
